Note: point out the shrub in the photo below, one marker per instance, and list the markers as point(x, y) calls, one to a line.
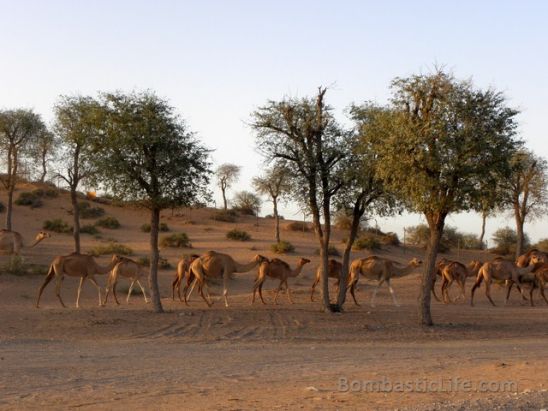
point(16, 266)
point(176, 240)
point(297, 226)
point(111, 248)
point(163, 263)
point(46, 192)
point(57, 226)
point(331, 251)
point(238, 235)
point(471, 242)
point(505, 240)
point(228, 216)
point(367, 241)
point(246, 203)
point(145, 228)
point(29, 199)
point(89, 229)
point(108, 222)
point(270, 216)
point(343, 221)
point(390, 239)
point(542, 245)
point(87, 211)
point(282, 247)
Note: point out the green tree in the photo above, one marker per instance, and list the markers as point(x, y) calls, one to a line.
point(444, 137)
point(304, 133)
point(227, 174)
point(18, 128)
point(147, 154)
point(44, 150)
point(276, 184)
point(247, 203)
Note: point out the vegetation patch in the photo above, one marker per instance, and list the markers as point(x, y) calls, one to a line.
point(29, 199)
point(111, 248)
point(297, 226)
point(57, 226)
point(163, 263)
point(505, 240)
point(367, 241)
point(46, 192)
point(282, 247)
point(87, 211)
point(108, 222)
point(227, 216)
point(176, 240)
point(238, 235)
point(390, 239)
point(331, 251)
point(16, 266)
point(89, 229)
point(164, 228)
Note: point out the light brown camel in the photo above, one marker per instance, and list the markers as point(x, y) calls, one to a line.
point(334, 271)
point(538, 278)
point(439, 266)
point(280, 270)
point(379, 269)
point(11, 242)
point(525, 259)
point(213, 264)
point(183, 273)
point(129, 269)
point(456, 271)
point(75, 265)
point(499, 270)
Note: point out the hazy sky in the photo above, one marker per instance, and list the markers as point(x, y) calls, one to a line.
point(218, 60)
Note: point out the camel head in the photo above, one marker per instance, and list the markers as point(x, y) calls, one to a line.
point(116, 259)
point(537, 259)
point(303, 261)
point(42, 235)
point(260, 259)
point(415, 262)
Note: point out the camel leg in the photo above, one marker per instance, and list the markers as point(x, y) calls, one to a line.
point(143, 291)
point(392, 293)
point(314, 284)
point(531, 296)
point(479, 279)
point(173, 286)
point(352, 287)
point(94, 282)
point(47, 280)
point(187, 296)
point(82, 279)
point(444, 295)
point(107, 292)
point(208, 299)
point(130, 290)
point(58, 289)
point(225, 288)
point(277, 292)
point(509, 285)
point(375, 290)
point(261, 292)
point(462, 290)
point(541, 286)
point(488, 292)
point(288, 293)
point(434, 289)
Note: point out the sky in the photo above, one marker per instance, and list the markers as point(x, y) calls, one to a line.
point(217, 61)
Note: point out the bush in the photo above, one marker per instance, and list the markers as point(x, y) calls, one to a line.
point(29, 199)
point(57, 226)
point(297, 226)
point(163, 263)
point(343, 221)
point(331, 251)
point(238, 235)
point(16, 266)
point(47, 192)
point(87, 211)
point(367, 241)
point(228, 216)
point(111, 248)
point(246, 203)
point(282, 247)
point(89, 229)
point(542, 245)
point(108, 222)
point(505, 240)
point(471, 242)
point(145, 228)
point(176, 240)
point(390, 239)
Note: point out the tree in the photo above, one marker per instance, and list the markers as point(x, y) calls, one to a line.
point(227, 174)
point(506, 240)
point(147, 154)
point(276, 184)
point(44, 148)
point(445, 136)
point(76, 124)
point(17, 130)
point(247, 203)
point(525, 191)
point(304, 133)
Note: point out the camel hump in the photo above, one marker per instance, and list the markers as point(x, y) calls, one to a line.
point(278, 261)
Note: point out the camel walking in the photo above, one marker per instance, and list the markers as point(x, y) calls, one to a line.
point(525, 259)
point(439, 267)
point(334, 270)
point(456, 271)
point(499, 270)
point(380, 269)
point(280, 270)
point(538, 278)
point(213, 264)
point(183, 273)
point(11, 242)
point(75, 265)
point(129, 269)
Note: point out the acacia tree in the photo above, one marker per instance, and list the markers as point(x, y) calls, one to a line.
point(76, 124)
point(147, 154)
point(492, 199)
point(304, 133)
point(276, 184)
point(44, 149)
point(444, 137)
point(525, 191)
point(18, 128)
point(227, 174)
point(247, 203)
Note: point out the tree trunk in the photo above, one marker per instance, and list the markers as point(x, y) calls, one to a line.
point(225, 204)
point(520, 235)
point(483, 221)
point(9, 208)
point(76, 218)
point(277, 219)
point(354, 227)
point(154, 258)
point(12, 172)
point(44, 168)
point(436, 224)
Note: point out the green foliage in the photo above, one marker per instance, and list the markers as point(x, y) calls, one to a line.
point(297, 226)
point(176, 240)
point(342, 221)
point(390, 239)
point(542, 245)
point(331, 251)
point(87, 211)
point(505, 240)
point(57, 226)
point(30, 199)
point(368, 241)
point(471, 242)
point(89, 229)
point(282, 247)
point(246, 203)
point(228, 216)
point(49, 192)
point(111, 248)
point(145, 228)
point(108, 222)
point(238, 235)
point(16, 266)
point(451, 238)
point(163, 263)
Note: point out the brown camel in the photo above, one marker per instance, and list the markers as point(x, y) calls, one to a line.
point(455, 271)
point(213, 264)
point(279, 269)
point(11, 242)
point(183, 272)
point(129, 269)
point(334, 271)
point(525, 259)
point(75, 265)
point(538, 278)
point(499, 270)
point(379, 269)
point(439, 266)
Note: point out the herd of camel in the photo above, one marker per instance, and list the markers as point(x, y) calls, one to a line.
point(528, 271)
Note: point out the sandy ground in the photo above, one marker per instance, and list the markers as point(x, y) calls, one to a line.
point(261, 356)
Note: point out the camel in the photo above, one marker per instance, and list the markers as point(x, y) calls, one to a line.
point(183, 272)
point(538, 278)
point(455, 271)
point(334, 271)
point(499, 270)
point(380, 269)
point(75, 265)
point(525, 259)
point(279, 269)
point(11, 242)
point(129, 269)
point(439, 266)
point(213, 264)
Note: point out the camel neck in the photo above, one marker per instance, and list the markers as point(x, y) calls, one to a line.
point(242, 268)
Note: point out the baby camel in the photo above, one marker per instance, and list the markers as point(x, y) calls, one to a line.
point(11, 242)
point(129, 269)
point(75, 265)
point(334, 271)
point(279, 269)
point(183, 273)
point(380, 269)
point(538, 278)
point(455, 271)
